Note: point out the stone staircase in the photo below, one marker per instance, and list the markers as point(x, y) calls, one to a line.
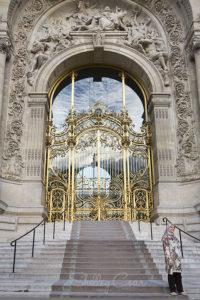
point(190, 265)
point(92, 259)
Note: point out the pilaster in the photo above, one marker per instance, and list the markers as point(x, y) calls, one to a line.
point(163, 142)
point(35, 136)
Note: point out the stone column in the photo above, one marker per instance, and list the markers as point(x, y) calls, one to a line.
point(4, 54)
point(163, 149)
point(196, 53)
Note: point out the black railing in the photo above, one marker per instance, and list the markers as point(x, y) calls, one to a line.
point(43, 222)
point(180, 231)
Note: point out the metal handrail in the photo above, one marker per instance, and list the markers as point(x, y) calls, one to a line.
point(14, 242)
point(43, 222)
point(165, 219)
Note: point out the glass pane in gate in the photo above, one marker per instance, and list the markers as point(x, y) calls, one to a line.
point(86, 175)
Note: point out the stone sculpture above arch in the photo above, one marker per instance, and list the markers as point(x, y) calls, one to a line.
point(75, 23)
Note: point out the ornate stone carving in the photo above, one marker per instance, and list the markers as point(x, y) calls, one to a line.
point(188, 158)
point(144, 37)
point(98, 39)
point(58, 34)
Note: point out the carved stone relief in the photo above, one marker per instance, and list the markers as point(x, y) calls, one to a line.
point(188, 158)
point(57, 34)
point(142, 35)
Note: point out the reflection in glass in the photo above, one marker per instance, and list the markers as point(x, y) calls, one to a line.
point(88, 91)
point(98, 85)
point(61, 107)
point(135, 108)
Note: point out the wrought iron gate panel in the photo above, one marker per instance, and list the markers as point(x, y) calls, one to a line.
point(99, 167)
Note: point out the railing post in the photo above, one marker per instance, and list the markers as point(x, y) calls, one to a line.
point(64, 221)
point(54, 227)
point(139, 221)
point(15, 249)
point(151, 230)
point(33, 245)
point(181, 243)
point(131, 215)
point(44, 232)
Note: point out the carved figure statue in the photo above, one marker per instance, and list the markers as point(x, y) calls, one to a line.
point(98, 38)
point(106, 20)
point(118, 18)
point(40, 57)
point(85, 17)
point(137, 31)
point(155, 50)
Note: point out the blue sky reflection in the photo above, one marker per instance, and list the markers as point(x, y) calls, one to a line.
point(87, 92)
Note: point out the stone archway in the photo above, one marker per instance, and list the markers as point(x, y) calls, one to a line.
point(169, 106)
point(127, 60)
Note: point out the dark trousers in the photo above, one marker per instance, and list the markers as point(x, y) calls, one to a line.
point(175, 282)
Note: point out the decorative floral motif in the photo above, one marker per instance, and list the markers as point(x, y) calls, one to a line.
point(180, 89)
point(158, 5)
point(37, 5)
point(175, 37)
point(13, 148)
point(19, 72)
point(170, 22)
point(16, 128)
point(16, 109)
point(21, 37)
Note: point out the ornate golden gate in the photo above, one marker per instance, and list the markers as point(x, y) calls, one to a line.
point(98, 167)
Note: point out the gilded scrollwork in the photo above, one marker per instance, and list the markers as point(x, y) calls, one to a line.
point(98, 194)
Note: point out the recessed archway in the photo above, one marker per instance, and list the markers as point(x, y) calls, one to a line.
point(133, 63)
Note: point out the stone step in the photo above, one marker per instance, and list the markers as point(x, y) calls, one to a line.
point(79, 269)
point(90, 264)
point(22, 293)
point(122, 276)
point(120, 296)
point(134, 286)
point(94, 265)
point(38, 260)
point(58, 266)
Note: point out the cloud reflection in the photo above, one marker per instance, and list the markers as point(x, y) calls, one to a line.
point(87, 92)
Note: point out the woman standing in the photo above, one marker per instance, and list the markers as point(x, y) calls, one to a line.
point(171, 247)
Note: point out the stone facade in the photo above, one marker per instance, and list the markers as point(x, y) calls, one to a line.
point(156, 41)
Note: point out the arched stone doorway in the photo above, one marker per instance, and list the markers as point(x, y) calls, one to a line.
point(149, 78)
point(46, 48)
